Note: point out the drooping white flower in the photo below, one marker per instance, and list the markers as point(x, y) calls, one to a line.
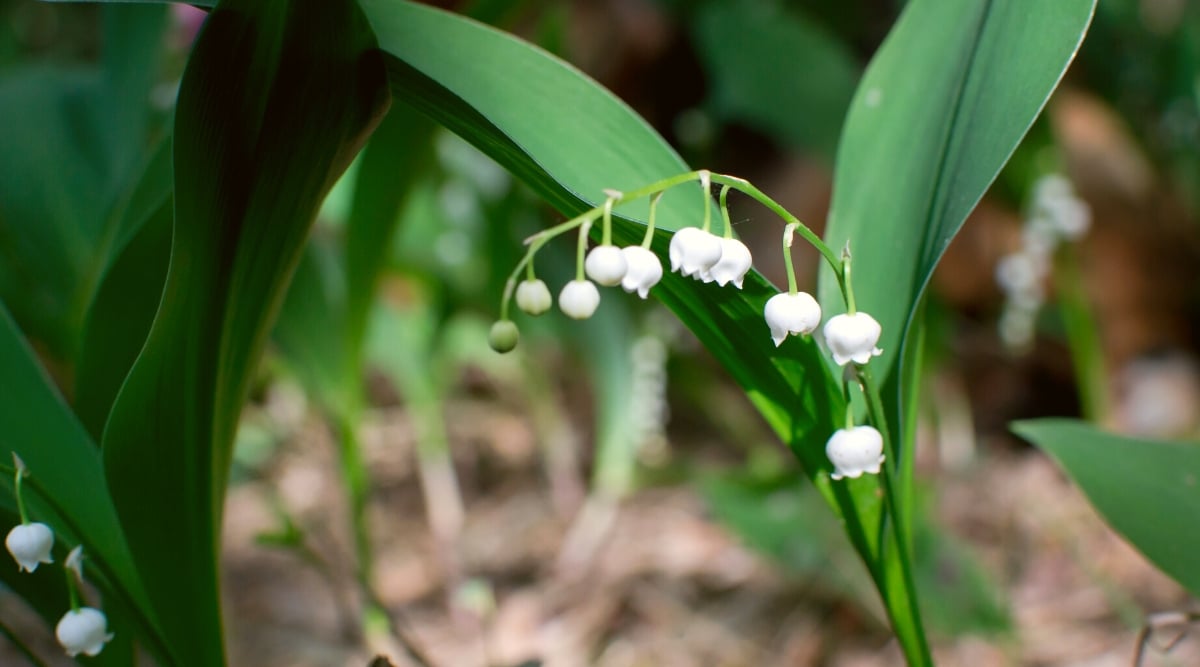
point(643, 270)
point(854, 451)
point(83, 630)
point(606, 265)
point(797, 313)
point(693, 251)
point(734, 263)
point(503, 336)
point(579, 299)
point(853, 338)
point(533, 297)
point(30, 544)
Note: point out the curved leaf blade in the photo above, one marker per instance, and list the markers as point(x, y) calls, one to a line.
point(276, 100)
point(1148, 491)
point(943, 104)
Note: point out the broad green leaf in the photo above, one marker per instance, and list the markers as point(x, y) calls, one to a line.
point(311, 348)
point(277, 98)
point(942, 105)
point(776, 70)
point(52, 183)
point(126, 300)
point(66, 487)
point(1148, 491)
point(74, 137)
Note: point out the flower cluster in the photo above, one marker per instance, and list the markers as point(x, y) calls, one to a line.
point(82, 629)
point(698, 253)
point(1057, 215)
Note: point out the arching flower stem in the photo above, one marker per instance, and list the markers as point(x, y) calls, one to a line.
point(649, 237)
point(655, 191)
point(18, 474)
point(725, 212)
point(789, 233)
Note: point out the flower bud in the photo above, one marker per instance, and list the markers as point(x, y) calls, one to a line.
point(797, 313)
point(693, 251)
point(30, 544)
point(503, 336)
point(579, 299)
point(644, 270)
point(734, 263)
point(533, 297)
point(854, 451)
point(606, 265)
point(83, 630)
point(853, 338)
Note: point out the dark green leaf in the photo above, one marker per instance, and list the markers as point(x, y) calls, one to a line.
point(276, 100)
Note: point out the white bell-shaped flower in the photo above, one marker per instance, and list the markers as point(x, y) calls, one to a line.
point(83, 630)
point(606, 265)
point(693, 251)
point(853, 338)
point(579, 299)
point(30, 544)
point(734, 263)
point(854, 451)
point(533, 296)
point(643, 270)
point(797, 313)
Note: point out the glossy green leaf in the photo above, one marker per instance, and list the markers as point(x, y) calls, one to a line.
point(276, 100)
point(942, 105)
point(1149, 491)
point(777, 70)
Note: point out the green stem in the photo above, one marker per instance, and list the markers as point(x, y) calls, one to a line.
point(17, 475)
point(355, 478)
point(847, 287)
point(72, 588)
point(606, 232)
point(898, 563)
point(725, 212)
point(649, 237)
point(529, 275)
point(705, 184)
point(581, 250)
point(788, 234)
point(1087, 356)
point(744, 186)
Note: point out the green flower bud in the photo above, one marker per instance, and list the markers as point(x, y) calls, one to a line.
point(503, 336)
